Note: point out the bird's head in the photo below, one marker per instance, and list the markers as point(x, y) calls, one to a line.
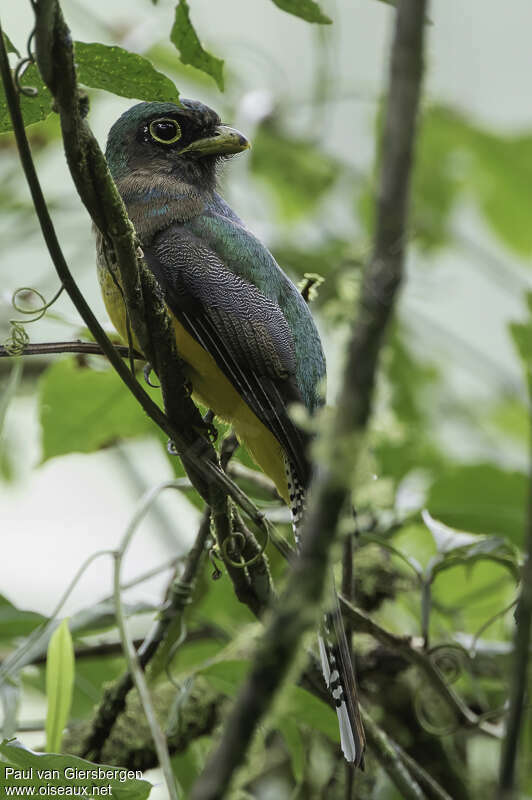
point(184, 141)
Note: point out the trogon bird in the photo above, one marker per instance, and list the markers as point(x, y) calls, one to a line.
point(244, 332)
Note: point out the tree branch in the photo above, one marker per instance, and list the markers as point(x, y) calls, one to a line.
point(298, 606)
point(85, 348)
point(391, 760)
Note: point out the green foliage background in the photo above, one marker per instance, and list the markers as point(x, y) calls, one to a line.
point(449, 433)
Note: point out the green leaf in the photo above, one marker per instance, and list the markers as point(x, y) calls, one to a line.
point(45, 767)
point(510, 416)
point(306, 9)
point(10, 47)
point(445, 538)
point(84, 623)
point(458, 547)
point(83, 410)
point(34, 109)
point(300, 705)
point(226, 676)
point(59, 685)
point(521, 333)
point(116, 70)
point(220, 606)
point(481, 498)
point(10, 697)
point(500, 181)
point(296, 172)
point(188, 766)
point(185, 38)
point(437, 178)
point(15, 622)
point(294, 744)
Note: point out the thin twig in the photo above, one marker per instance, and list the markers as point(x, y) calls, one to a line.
point(390, 759)
point(432, 788)
point(51, 348)
point(132, 658)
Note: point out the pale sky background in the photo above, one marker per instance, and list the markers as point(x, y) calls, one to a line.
point(478, 60)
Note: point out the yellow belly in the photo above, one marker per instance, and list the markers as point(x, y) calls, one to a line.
point(212, 388)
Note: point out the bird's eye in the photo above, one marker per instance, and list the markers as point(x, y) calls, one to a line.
point(165, 130)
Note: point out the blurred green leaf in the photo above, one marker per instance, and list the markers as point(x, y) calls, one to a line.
point(15, 622)
point(510, 416)
point(296, 172)
point(226, 676)
point(521, 333)
point(187, 766)
point(481, 498)
point(185, 38)
point(164, 56)
point(219, 605)
point(466, 596)
point(6, 397)
point(438, 175)
point(440, 172)
point(413, 386)
point(500, 180)
point(10, 698)
point(116, 70)
point(34, 109)
point(10, 47)
point(445, 538)
point(458, 547)
point(92, 674)
point(59, 685)
point(300, 705)
point(40, 763)
point(190, 656)
point(91, 620)
point(456, 156)
point(409, 380)
point(83, 410)
point(306, 9)
point(296, 704)
point(294, 744)
point(102, 616)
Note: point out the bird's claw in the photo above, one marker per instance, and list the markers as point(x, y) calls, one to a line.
point(171, 448)
point(147, 370)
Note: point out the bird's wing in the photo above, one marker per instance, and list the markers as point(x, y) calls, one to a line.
point(243, 330)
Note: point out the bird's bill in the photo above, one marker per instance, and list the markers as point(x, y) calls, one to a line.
point(224, 141)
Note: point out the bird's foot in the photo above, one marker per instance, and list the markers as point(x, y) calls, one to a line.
point(171, 448)
point(147, 370)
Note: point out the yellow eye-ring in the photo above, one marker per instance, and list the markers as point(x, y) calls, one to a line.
point(165, 130)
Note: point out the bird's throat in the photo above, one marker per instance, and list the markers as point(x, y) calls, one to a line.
point(156, 201)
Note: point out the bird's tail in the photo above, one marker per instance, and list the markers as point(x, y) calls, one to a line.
point(335, 655)
point(339, 675)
